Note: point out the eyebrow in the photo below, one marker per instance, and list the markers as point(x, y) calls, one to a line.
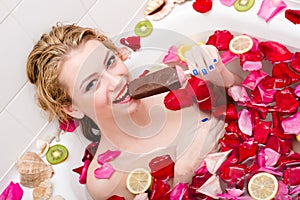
point(93, 74)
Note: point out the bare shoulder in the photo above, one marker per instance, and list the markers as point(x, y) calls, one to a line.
point(104, 188)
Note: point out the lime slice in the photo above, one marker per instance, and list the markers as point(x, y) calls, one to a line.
point(263, 186)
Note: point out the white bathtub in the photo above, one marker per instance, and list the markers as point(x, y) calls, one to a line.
point(186, 21)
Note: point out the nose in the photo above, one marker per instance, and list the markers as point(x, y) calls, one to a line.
point(110, 80)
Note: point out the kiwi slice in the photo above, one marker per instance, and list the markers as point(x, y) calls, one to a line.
point(243, 5)
point(143, 28)
point(57, 154)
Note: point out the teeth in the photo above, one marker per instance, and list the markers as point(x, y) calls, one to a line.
point(122, 96)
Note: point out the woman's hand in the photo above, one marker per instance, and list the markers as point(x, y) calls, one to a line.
point(205, 61)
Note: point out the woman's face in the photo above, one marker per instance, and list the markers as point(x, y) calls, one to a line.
point(96, 79)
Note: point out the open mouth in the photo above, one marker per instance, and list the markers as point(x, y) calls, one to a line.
point(123, 96)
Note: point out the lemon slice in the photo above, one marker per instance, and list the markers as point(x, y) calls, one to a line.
point(181, 51)
point(298, 137)
point(138, 180)
point(263, 186)
point(240, 44)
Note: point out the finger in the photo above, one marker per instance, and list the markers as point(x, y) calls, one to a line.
point(214, 52)
point(208, 58)
point(190, 60)
point(199, 59)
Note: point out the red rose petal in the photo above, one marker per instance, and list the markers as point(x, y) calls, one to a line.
point(275, 52)
point(293, 15)
point(132, 42)
point(202, 6)
point(162, 167)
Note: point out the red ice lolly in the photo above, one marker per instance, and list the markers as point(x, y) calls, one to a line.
point(166, 79)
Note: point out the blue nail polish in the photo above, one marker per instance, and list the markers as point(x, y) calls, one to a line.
point(195, 72)
point(211, 67)
point(204, 119)
point(215, 60)
point(204, 71)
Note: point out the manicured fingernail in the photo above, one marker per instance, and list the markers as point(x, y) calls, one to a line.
point(195, 72)
point(204, 71)
point(211, 67)
point(215, 60)
point(204, 119)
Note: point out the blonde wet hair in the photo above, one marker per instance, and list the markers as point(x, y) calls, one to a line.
point(46, 58)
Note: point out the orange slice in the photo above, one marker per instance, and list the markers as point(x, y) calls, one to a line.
point(240, 44)
point(138, 180)
point(263, 186)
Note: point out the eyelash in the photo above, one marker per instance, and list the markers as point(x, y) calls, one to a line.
point(111, 60)
point(93, 83)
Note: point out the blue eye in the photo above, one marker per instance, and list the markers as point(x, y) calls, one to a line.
point(91, 85)
point(111, 61)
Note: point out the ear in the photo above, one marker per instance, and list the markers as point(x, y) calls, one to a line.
point(73, 111)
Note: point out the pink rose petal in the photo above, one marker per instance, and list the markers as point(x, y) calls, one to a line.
point(238, 93)
point(104, 172)
point(108, 156)
point(12, 192)
point(227, 57)
point(270, 8)
point(142, 196)
point(83, 174)
point(68, 126)
point(297, 91)
point(253, 79)
point(171, 56)
point(252, 65)
point(245, 122)
point(234, 192)
point(179, 191)
point(211, 187)
point(295, 190)
point(227, 2)
point(291, 124)
point(215, 160)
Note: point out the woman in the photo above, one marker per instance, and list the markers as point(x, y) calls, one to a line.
point(80, 73)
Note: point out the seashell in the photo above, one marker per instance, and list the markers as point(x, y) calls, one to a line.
point(57, 197)
point(153, 5)
point(179, 1)
point(42, 146)
point(33, 170)
point(43, 191)
point(163, 11)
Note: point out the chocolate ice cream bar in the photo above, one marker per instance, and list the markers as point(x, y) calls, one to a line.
point(166, 79)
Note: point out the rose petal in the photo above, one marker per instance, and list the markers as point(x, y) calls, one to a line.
point(293, 15)
point(160, 190)
point(179, 192)
point(227, 2)
point(245, 122)
point(214, 160)
point(253, 79)
point(267, 157)
point(172, 55)
point(234, 192)
point(211, 187)
point(68, 126)
point(227, 56)
point(297, 90)
point(267, 96)
point(83, 174)
point(116, 197)
point(108, 156)
point(252, 65)
point(295, 190)
point(238, 93)
point(291, 124)
point(270, 8)
point(104, 172)
point(12, 192)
